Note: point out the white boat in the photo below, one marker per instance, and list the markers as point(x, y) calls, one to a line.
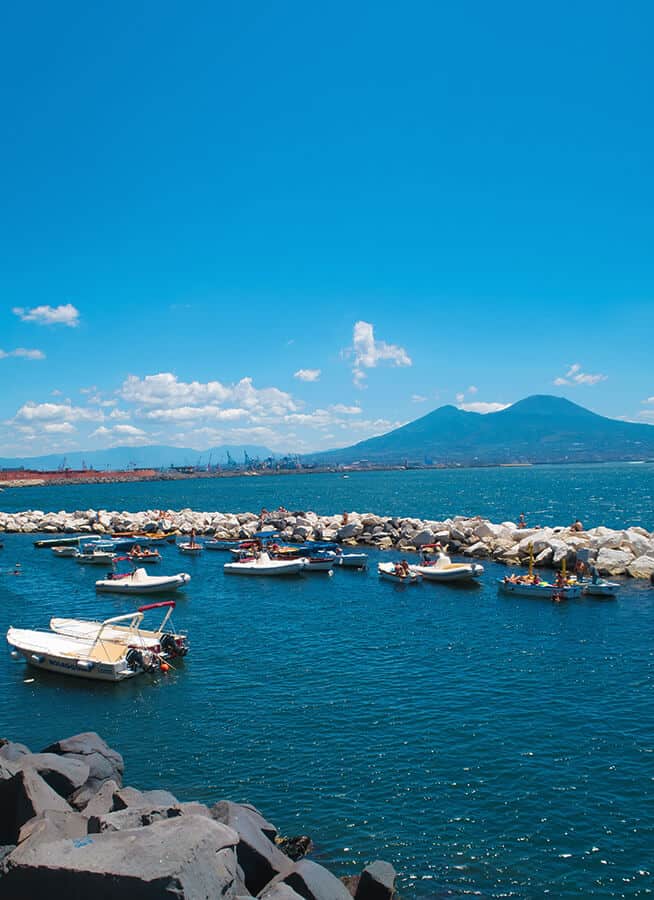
point(190, 548)
point(220, 545)
point(389, 572)
point(351, 560)
point(546, 589)
point(96, 658)
point(599, 588)
point(66, 550)
point(94, 557)
point(323, 563)
point(164, 643)
point(441, 568)
point(262, 564)
point(139, 582)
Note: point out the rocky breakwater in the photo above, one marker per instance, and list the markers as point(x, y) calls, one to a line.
point(628, 551)
point(68, 828)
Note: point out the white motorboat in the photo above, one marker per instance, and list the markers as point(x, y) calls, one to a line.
point(392, 572)
point(439, 567)
point(262, 564)
point(164, 643)
point(96, 658)
point(547, 589)
point(599, 588)
point(220, 545)
point(190, 548)
point(139, 582)
point(94, 557)
point(321, 562)
point(351, 560)
point(65, 550)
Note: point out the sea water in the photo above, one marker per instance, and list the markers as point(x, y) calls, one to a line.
point(479, 742)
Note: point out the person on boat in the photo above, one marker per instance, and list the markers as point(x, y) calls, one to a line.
point(399, 570)
point(192, 541)
point(405, 566)
point(560, 580)
point(594, 574)
point(521, 521)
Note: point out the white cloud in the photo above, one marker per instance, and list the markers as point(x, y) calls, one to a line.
point(66, 314)
point(195, 413)
point(460, 397)
point(368, 352)
point(59, 428)
point(649, 400)
point(165, 391)
point(574, 376)
point(472, 389)
point(23, 353)
point(418, 398)
point(307, 374)
point(345, 410)
point(480, 406)
point(124, 435)
point(32, 412)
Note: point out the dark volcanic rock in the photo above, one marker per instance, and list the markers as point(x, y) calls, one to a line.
point(141, 817)
point(54, 825)
point(129, 796)
point(103, 762)
point(191, 858)
point(64, 774)
point(12, 751)
point(377, 882)
point(280, 891)
point(21, 798)
point(313, 882)
point(102, 801)
point(259, 858)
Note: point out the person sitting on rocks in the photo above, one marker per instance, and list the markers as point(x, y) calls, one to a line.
point(576, 526)
point(521, 521)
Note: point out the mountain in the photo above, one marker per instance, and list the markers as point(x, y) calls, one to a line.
point(538, 429)
point(153, 457)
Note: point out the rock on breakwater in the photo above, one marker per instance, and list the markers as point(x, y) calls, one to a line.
point(81, 834)
point(628, 551)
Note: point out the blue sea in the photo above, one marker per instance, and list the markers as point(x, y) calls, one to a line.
point(483, 744)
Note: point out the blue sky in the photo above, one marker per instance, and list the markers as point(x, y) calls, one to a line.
point(407, 205)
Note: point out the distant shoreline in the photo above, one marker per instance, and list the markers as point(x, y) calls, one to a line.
point(60, 479)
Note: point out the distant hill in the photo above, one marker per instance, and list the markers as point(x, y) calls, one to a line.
point(538, 429)
point(155, 457)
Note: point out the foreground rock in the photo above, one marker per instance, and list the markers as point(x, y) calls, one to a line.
point(127, 843)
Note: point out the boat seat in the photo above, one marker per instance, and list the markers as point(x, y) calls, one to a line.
point(105, 651)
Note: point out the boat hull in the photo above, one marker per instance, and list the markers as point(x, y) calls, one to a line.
point(546, 591)
point(285, 568)
point(69, 663)
point(144, 584)
point(386, 573)
point(449, 575)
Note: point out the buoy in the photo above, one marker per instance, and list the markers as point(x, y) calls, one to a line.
point(164, 667)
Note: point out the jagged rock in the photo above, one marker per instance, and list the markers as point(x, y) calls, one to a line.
point(377, 882)
point(639, 544)
point(544, 558)
point(258, 856)
point(102, 801)
point(313, 882)
point(129, 796)
point(21, 798)
point(613, 562)
point(64, 774)
point(103, 762)
point(479, 549)
point(12, 751)
point(425, 536)
point(352, 529)
point(141, 817)
point(54, 825)
point(643, 567)
point(188, 858)
point(280, 891)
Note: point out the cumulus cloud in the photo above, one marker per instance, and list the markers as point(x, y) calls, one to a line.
point(32, 413)
point(165, 391)
point(344, 410)
point(22, 353)
point(368, 352)
point(121, 434)
point(575, 376)
point(418, 398)
point(307, 374)
point(480, 406)
point(194, 413)
point(59, 428)
point(65, 314)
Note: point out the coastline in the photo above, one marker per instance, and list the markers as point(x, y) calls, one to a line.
point(628, 551)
